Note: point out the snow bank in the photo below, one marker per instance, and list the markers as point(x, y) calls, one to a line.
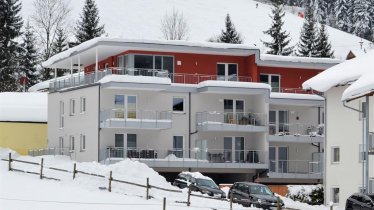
point(136, 79)
point(212, 83)
point(196, 175)
point(346, 72)
point(23, 106)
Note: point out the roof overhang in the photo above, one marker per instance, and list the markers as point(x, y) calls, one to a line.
point(106, 47)
point(297, 62)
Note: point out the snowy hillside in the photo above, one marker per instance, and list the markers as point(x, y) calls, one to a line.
point(20, 190)
point(142, 19)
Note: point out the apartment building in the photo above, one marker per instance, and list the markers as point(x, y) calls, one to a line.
point(177, 105)
point(345, 87)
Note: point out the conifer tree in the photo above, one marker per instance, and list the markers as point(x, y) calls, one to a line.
point(307, 43)
point(10, 26)
point(29, 57)
point(60, 45)
point(278, 46)
point(88, 27)
point(230, 35)
point(342, 16)
point(323, 45)
point(361, 18)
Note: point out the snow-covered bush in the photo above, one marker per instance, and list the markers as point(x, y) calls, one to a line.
point(310, 194)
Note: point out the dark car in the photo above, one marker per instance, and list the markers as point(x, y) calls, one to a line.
point(360, 201)
point(198, 183)
point(258, 195)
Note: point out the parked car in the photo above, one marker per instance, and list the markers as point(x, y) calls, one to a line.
point(258, 195)
point(360, 201)
point(198, 183)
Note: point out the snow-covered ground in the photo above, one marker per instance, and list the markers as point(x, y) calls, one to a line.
point(141, 19)
point(21, 191)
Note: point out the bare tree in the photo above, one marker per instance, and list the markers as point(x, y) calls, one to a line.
point(174, 26)
point(48, 16)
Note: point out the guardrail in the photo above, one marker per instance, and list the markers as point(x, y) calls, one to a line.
point(197, 78)
point(296, 129)
point(295, 166)
point(237, 118)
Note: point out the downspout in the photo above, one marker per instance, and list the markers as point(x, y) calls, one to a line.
point(189, 125)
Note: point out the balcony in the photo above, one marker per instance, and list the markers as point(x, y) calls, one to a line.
point(197, 78)
point(142, 119)
point(296, 133)
point(178, 158)
point(299, 169)
point(228, 121)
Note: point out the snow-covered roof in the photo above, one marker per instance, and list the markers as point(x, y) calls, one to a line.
point(297, 59)
point(23, 106)
point(111, 46)
point(136, 79)
point(196, 175)
point(251, 85)
point(344, 73)
point(296, 96)
point(363, 86)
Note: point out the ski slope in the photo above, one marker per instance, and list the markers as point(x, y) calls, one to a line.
point(141, 19)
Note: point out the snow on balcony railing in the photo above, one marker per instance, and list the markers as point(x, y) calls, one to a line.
point(182, 155)
point(295, 129)
point(295, 166)
point(295, 90)
point(237, 118)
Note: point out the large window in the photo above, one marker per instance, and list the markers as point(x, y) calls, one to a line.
point(83, 142)
point(131, 141)
point(72, 143)
point(272, 79)
point(178, 104)
point(154, 62)
point(72, 106)
point(125, 106)
point(227, 71)
point(83, 105)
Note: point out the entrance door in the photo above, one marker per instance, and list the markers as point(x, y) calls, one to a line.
point(272, 159)
point(125, 106)
point(239, 149)
point(234, 149)
point(119, 144)
point(283, 159)
point(233, 110)
point(178, 146)
point(227, 71)
point(283, 120)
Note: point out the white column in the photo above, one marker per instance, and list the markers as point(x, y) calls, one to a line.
point(79, 69)
point(55, 74)
point(97, 64)
point(71, 72)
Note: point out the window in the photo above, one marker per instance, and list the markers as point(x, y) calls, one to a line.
point(335, 154)
point(131, 141)
point(178, 104)
point(72, 143)
point(154, 62)
point(119, 140)
point(272, 79)
point(335, 195)
point(178, 146)
point(83, 105)
point(61, 142)
point(227, 71)
point(126, 106)
point(72, 106)
point(83, 142)
point(61, 114)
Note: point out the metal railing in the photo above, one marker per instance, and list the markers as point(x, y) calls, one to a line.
point(296, 90)
point(49, 151)
point(175, 155)
point(197, 78)
point(295, 129)
point(237, 118)
point(295, 166)
point(136, 115)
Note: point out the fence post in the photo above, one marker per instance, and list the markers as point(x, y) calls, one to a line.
point(74, 170)
point(110, 182)
point(10, 162)
point(230, 199)
point(278, 203)
point(164, 204)
point(147, 190)
point(189, 195)
point(41, 169)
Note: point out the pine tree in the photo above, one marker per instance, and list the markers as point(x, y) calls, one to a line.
point(60, 45)
point(29, 57)
point(278, 46)
point(323, 45)
point(343, 20)
point(10, 26)
point(307, 43)
point(88, 27)
point(361, 18)
point(230, 35)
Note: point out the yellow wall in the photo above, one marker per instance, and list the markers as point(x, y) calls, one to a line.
point(22, 137)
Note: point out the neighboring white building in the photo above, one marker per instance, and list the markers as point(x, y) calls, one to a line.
point(345, 83)
point(232, 130)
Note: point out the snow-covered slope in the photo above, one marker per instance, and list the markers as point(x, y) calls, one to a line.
point(141, 19)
